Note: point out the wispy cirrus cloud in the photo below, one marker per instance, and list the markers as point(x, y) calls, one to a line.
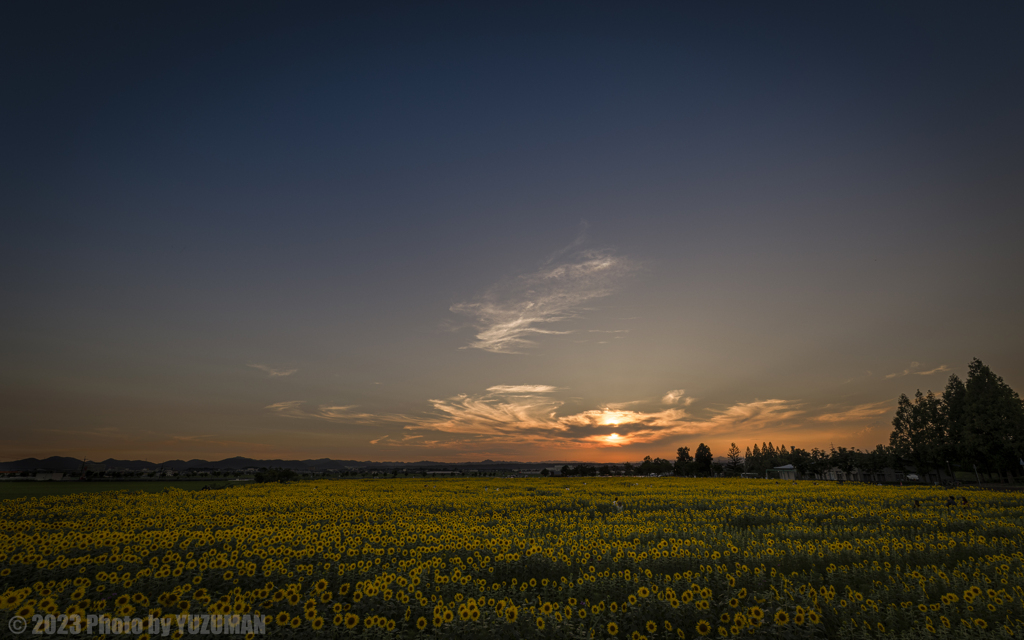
point(859, 413)
point(509, 315)
point(911, 370)
point(331, 413)
point(272, 372)
point(528, 414)
point(533, 419)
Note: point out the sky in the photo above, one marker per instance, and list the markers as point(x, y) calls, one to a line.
point(510, 231)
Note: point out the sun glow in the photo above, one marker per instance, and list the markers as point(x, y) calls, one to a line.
point(613, 418)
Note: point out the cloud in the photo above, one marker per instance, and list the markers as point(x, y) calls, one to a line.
point(341, 414)
point(274, 373)
point(914, 365)
point(937, 369)
point(528, 414)
point(506, 417)
point(509, 315)
point(524, 389)
point(861, 412)
point(676, 396)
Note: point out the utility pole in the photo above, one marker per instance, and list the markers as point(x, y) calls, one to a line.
point(976, 473)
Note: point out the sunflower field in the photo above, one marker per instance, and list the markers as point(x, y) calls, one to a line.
point(537, 558)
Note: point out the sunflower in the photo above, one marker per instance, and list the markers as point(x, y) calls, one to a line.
point(668, 626)
point(652, 626)
point(980, 623)
point(781, 618)
point(798, 619)
point(546, 608)
point(725, 617)
point(421, 623)
point(448, 615)
point(613, 629)
point(296, 622)
point(351, 620)
point(703, 627)
point(283, 618)
point(643, 592)
point(540, 623)
point(317, 623)
point(511, 613)
point(813, 617)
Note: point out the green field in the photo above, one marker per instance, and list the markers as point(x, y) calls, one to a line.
point(31, 489)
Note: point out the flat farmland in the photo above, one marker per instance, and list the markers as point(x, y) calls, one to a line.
point(545, 558)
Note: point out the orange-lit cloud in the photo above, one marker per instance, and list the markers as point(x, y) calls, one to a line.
point(858, 413)
point(531, 417)
point(341, 414)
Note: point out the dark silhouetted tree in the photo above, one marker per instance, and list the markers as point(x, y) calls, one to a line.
point(684, 462)
point(993, 420)
point(703, 459)
point(917, 433)
point(735, 464)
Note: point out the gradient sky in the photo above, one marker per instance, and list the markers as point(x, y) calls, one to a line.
point(457, 231)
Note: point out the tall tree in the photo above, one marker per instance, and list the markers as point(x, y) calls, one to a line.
point(735, 463)
point(684, 461)
point(951, 419)
point(917, 433)
point(993, 420)
point(703, 458)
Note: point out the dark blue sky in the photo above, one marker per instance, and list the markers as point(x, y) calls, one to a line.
point(469, 229)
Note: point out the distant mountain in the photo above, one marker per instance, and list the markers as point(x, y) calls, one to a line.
point(53, 463)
